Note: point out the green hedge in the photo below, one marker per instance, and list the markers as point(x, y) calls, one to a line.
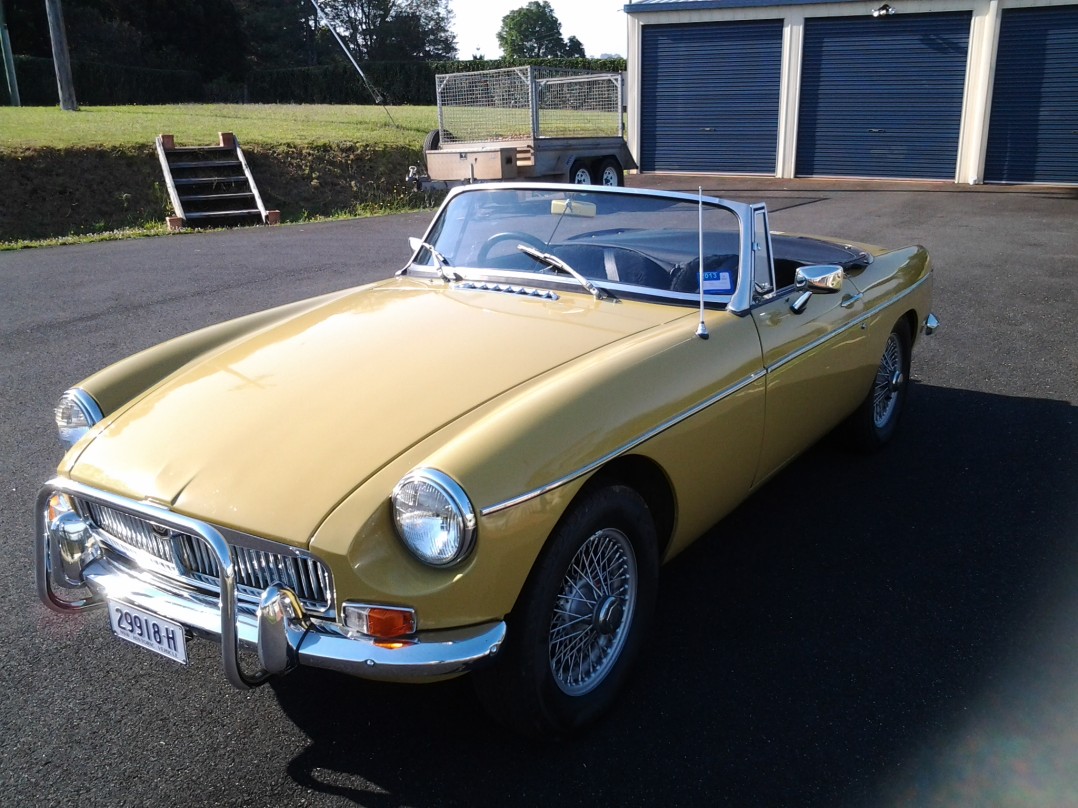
point(602, 65)
point(400, 83)
point(103, 85)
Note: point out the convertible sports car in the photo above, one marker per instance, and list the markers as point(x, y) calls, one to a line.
point(480, 463)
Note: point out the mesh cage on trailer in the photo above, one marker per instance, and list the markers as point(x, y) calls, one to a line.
point(517, 103)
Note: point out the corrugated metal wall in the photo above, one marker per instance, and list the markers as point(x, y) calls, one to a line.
point(710, 97)
point(1033, 129)
point(882, 97)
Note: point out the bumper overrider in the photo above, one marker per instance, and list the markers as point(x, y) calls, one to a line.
point(73, 554)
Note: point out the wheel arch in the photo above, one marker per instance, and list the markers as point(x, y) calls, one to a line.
point(648, 479)
point(912, 321)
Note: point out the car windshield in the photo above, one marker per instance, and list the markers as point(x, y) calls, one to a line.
point(645, 243)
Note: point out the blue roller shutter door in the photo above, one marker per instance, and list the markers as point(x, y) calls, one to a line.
point(1033, 131)
point(882, 97)
point(710, 97)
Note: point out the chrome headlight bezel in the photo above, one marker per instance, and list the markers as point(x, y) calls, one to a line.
point(75, 412)
point(413, 501)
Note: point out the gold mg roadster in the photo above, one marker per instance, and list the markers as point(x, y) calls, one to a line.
point(480, 464)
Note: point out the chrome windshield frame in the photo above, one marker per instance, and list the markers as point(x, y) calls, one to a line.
point(739, 302)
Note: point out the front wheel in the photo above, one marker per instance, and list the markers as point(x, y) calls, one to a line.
point(875, 421)
point(580, 620)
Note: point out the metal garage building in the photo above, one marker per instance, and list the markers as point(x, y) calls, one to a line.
point(968, 91)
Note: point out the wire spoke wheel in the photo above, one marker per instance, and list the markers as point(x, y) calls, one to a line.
point(889, 379)
point(580, 620)
point(592, 612)
point(875, 420)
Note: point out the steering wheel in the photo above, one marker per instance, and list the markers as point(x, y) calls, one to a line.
point(509, 235)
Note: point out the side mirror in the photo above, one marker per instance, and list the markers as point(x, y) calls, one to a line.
point(825, 279)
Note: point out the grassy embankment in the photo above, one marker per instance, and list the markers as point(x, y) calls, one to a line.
point(95, 173)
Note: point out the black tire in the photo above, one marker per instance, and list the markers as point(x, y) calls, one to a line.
point(876, 419)
point(537, 687)
point(611, 173)
point(433, 141)
point(582, 173)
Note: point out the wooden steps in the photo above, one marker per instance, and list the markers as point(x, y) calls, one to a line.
point(211, 186)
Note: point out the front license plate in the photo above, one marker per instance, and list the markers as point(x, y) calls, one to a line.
point(148, 630)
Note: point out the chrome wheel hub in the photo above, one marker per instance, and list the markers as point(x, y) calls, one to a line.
point(593, 612)
point(608, 615)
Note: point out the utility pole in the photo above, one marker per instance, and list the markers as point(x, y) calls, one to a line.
point(60, 57)
point(9, 61)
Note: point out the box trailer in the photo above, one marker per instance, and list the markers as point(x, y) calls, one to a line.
point(534, 123)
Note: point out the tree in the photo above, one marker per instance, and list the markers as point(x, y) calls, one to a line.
point(279, 33)
point(395, 30)
point(533, 31)
point(201, 34)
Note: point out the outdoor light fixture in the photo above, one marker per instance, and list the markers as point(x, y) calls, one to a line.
point(883, 11)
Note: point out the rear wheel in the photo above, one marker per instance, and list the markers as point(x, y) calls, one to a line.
point(580, 620)
point(875, 421)
point(610, 172)
point(582, 173)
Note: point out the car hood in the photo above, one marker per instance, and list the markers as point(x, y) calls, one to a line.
point(267, 434)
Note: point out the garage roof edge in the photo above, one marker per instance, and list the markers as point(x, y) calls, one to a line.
point(651, 6)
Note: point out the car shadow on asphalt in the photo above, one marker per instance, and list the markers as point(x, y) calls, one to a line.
point(803, 649)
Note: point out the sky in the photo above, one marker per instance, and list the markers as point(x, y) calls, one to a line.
point(598, 24)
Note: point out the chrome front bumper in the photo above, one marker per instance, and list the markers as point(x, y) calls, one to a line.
point(278, 629)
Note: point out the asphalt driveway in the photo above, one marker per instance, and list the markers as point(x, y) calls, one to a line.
point(892, 630)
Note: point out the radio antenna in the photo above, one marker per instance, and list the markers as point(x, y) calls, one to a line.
point(701, 330)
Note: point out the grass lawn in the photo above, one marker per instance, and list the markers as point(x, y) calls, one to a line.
point(95, 173)
point(194, 124)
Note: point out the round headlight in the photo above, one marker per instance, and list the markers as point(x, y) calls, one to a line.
point(434, 517)
point(75, 413)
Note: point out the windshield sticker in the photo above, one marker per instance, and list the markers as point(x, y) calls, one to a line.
point(718, 281)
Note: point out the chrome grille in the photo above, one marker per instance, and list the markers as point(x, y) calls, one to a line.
point(188, 558)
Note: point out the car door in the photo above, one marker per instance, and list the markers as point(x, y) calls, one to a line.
point(809, 356)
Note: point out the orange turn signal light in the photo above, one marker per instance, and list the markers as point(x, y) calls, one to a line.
point(385, 624)
point(380, 622)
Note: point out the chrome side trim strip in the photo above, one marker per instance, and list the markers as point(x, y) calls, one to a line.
point(629, 446)
point(839, 331)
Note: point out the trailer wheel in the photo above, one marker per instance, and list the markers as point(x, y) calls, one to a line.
point(581, 173)
point(611, 173)
point(433, 141)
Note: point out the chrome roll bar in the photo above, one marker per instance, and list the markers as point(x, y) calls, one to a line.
point(48, 557)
